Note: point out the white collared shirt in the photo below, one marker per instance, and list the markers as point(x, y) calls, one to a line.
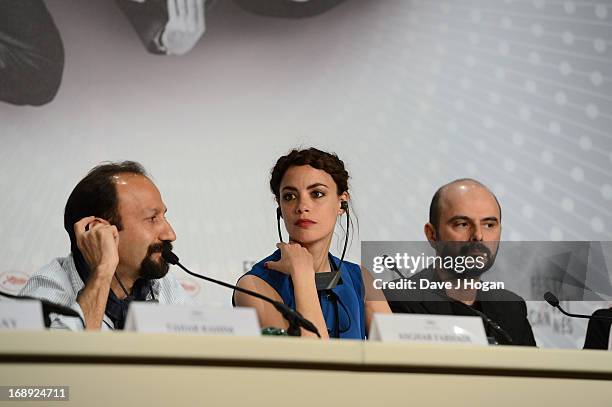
point(59, 282)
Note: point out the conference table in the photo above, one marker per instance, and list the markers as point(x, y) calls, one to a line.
point(134, 369)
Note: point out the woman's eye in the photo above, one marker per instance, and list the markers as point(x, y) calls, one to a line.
point(317, 194)
point(288, 197)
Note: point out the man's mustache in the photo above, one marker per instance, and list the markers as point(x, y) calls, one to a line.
point(474, 247)
point(159, 247)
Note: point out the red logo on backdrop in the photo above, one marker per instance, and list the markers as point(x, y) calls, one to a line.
point(13, 281)
point(190, 286)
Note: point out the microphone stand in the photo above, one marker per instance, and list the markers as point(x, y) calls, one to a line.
point(494, 325)
point(47, 308)
point(488, 321)
point(294, 318)
point(553, 301)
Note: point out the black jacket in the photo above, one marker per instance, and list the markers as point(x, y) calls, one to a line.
point(598, 332)
point(501, 306)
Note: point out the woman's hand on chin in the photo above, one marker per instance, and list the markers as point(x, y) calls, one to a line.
point(295, 260)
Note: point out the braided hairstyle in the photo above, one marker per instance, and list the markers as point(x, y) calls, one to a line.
point(321, 160)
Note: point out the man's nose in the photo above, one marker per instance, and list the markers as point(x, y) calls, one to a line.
point(167, 233)
point(477, 234)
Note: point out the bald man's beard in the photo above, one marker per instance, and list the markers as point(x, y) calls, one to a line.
point(467, 249)
point(151, 269)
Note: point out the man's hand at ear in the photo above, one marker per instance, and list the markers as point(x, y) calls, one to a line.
point(98, 240)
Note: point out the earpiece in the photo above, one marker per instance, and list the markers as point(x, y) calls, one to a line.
point(279, 215)
point(344, 205)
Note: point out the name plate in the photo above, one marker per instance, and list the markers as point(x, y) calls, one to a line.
point(21, 315)
point(428, 329)
point(188, 319)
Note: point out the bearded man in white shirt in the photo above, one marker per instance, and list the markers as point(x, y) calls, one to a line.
point(116, 221)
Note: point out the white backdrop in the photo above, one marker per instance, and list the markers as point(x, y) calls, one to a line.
point(410, 94)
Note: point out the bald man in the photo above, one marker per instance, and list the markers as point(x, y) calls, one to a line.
point(465, 219)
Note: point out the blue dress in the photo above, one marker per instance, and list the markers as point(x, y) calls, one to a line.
point(349, 293)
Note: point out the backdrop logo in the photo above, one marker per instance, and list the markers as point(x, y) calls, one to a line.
point(191, 287)
point(13, 281)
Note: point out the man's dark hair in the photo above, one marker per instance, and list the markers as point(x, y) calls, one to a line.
point(96, 195)
point(434, 207)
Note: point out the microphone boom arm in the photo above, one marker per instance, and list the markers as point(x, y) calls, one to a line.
point(295, 319)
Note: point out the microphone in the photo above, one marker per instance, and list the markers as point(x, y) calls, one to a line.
point(394, 268)
point(48, 308)
point(552, 299)
point(488, 321)
point(295, 319)
point(494, 325)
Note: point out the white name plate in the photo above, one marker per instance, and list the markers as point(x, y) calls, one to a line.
point(21, 315)
point(428, 328)
point(189, 319)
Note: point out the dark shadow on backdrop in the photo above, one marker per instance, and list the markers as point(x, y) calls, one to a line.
point(288, 8)
point(31, 53)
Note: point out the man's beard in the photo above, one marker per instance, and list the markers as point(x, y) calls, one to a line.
point(151, 269)
point(467, 249)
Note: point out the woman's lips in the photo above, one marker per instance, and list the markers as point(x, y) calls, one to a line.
point(304, 223)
